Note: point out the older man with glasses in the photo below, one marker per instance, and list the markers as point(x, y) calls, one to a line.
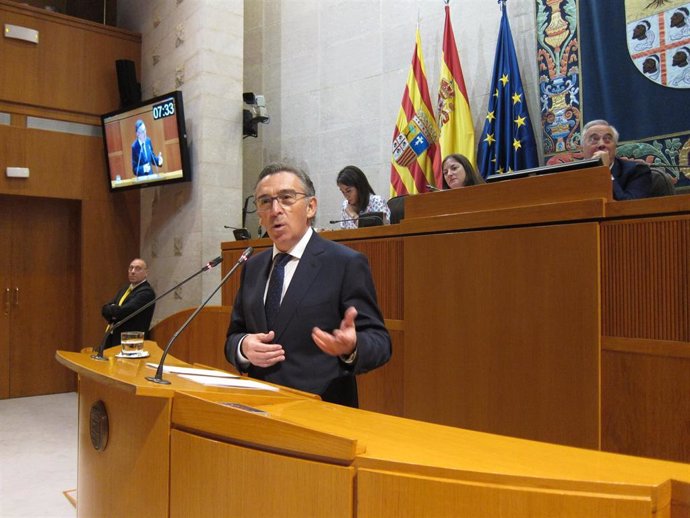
point(631, 179)
point(306, 314)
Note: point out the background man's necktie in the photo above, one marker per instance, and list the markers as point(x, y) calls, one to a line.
point(275, 288)
point(125, 295)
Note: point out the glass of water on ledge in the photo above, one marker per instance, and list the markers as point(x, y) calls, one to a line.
point(132, 343)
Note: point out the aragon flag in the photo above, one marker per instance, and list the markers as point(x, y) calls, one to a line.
point(415, 161)
point(454, 115)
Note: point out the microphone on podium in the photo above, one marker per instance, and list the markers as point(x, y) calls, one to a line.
point(114, 325)
point(158, 378)
point(433, 188)
point(368, 219)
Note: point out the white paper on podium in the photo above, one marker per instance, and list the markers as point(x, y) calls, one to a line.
point(242, 383)
point(172, 369)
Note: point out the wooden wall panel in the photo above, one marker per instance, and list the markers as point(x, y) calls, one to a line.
point(137, 453)
point(71, 69)
point(507, 314)
point(59, 163)
point(645, 403)
point(305, 488)
point(230, 257)
point(387, 266)
point(203, 341)
point(645, 278)
point(422, 496)
point(381, 390)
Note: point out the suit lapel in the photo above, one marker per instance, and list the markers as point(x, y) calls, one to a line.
point(302, 281)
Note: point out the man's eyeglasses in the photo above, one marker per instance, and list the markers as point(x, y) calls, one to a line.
point(284, 198)
point(594, 139)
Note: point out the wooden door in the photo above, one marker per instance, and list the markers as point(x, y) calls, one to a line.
point(44, 266)
point(5, 300)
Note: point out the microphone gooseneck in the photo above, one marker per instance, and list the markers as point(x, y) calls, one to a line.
point(158, 378)
point(98, 355)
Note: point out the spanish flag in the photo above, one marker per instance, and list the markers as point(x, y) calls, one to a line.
point(415, 161)
point(454, 115)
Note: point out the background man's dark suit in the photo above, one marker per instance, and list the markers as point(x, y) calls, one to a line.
point(329, 278)
point(632, 180)
point(140, 296)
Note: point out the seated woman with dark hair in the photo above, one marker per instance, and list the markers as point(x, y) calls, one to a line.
point(459, 172)
point(359, 197)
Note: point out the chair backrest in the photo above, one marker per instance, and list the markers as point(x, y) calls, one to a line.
point(662, 185)
point(397, 208)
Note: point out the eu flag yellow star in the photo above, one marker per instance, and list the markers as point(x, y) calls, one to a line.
point(504, 79)
point(516, 144)
point(520, 121)
point(517, 98)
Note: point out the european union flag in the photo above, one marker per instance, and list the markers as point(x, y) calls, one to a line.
point(507, 142)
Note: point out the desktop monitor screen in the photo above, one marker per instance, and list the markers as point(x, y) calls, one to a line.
point(146, 144)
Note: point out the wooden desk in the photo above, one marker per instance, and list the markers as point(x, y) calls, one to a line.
point(502, 301)
point(194, 456)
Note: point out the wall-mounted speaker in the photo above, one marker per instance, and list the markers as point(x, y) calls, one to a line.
point(129, 88)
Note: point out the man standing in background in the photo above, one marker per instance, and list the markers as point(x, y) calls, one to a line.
point(128, 299)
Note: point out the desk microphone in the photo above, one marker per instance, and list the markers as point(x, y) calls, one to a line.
point(241, 234)
point(433, 188)
point(114, 325)
point(158, 378)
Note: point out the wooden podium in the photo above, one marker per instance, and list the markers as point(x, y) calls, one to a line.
point(186, 451)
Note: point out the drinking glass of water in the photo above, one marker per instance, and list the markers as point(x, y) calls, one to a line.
point(132, 343)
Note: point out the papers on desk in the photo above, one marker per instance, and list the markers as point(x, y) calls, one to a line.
point(175, 369)
point(213, 378)
point(242, 383)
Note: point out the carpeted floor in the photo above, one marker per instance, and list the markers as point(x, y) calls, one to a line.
point(38, 456)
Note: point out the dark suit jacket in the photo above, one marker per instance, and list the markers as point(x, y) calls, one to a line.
point(143, 155)
point(329, 278)
point(631, 180)
point(140, 296)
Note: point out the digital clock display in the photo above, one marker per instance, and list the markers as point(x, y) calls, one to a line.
point(164, 109)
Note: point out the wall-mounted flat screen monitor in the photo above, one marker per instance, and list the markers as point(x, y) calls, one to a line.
point(146, 144)
point(546, 169)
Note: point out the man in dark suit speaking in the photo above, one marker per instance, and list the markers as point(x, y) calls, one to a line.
point(306, 314)
point(143, 156)
point(631, 179)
